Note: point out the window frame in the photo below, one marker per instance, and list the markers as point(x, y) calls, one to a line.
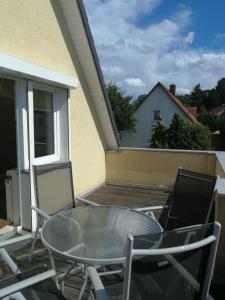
point(56, 155)
point(156, 113)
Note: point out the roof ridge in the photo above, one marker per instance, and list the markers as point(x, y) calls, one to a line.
point(179, 103)
point(174, 98)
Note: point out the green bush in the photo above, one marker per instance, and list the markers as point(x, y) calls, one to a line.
point(181, 135)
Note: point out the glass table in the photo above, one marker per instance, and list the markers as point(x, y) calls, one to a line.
point(95, 235)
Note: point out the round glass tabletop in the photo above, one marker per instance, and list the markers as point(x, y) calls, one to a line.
point(95, 234)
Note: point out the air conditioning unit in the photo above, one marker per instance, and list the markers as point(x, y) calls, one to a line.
point(12, 196)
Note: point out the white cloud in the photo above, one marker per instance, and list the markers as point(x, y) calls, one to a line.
point(181, 91)
point(136, 82)
point(189, 38)
point(159, 51)
point(220, 36)
point(114, 70)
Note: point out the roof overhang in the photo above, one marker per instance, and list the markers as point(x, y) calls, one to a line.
point(20, 68)
point(74, 25)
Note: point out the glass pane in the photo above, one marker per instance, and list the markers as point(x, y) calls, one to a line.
point(156, 115)
point(43, 123)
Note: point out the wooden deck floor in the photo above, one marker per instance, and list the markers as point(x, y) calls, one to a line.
point(128, 196)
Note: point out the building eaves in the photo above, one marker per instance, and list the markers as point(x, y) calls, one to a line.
point(98, 68)
point(74, 25)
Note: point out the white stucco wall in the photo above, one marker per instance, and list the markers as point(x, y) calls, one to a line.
point(157, 100)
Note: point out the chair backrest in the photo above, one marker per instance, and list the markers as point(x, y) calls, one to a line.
point(180, 268)
point(54, 187)
point(191, 201)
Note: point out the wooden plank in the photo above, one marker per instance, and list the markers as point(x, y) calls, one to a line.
point(128, 196)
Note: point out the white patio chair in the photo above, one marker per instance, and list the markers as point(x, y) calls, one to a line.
point(36, 283)
point(180, 268)
point(54, 193)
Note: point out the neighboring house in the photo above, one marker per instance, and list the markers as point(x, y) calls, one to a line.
point(217, 111)
point(49, 76)
point(193, 110)
point(160, 103)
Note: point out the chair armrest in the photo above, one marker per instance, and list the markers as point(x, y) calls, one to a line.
point(97, 284)
point(87, 202)
point(16, 240)
point(151, 208)
point(7, 235)
point(13, 288)
point(41, 212)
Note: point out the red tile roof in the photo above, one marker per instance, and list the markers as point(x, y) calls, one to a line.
point(218, 109)
point(193, 110)
point(177, 101)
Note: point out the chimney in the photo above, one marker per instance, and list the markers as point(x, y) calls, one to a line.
point(173, 89)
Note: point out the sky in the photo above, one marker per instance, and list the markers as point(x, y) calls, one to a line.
point(141, 42)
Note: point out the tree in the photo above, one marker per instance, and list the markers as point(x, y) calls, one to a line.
point(175, 132)
point(186, 99)
point(198, 96)
point(217, 95)
point(205, 98)
point(196, 137)
point(122, 108)
point(140, 99)
point(220, 88)
point(159, 136)
point(208, 120)
point(181, 135)
point(221, 125)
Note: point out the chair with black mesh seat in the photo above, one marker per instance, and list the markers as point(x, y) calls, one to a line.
point(180, 268)
point(191, 202)
point(54, 193)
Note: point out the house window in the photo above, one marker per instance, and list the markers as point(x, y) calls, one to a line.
point(156, 115)
point(48, 124)
point(43, 123)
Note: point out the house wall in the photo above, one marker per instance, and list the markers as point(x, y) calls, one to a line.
point(30, 31)
point(157, 100)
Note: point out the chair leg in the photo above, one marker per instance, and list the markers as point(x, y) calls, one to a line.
point(53, 267)
point(34, 239)
point(83, 287)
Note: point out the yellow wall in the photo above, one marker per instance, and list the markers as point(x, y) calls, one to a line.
point(219, 170)
point(88, 154)
point(152, 167)
point(220, 217)
point(29, 30)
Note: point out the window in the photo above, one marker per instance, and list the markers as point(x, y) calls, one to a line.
point(43, 123)
point(48, 124)
point(156, 115)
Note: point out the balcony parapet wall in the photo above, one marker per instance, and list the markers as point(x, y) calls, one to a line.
point(155, 166)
